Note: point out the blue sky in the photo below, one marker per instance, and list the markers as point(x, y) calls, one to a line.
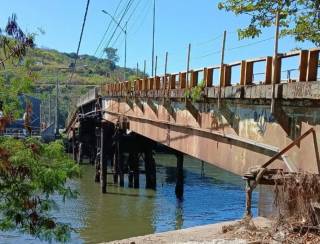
point(179, 22)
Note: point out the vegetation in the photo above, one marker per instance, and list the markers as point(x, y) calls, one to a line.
point(31, 173)
point(195, 92)
point(13, 46)
point(298, 18)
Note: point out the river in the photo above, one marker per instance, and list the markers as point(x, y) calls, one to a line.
point(213, 197)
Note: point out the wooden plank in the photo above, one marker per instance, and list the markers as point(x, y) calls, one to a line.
point(157, 83)
point(182, 79)
point(227, 76)
point(303, 67)
point(242, 72)
point(194, 78)
point(222, 68)
point(208, 76)
point(277, 69)
point(151, 83)
point(268, 72)
point(313, 60)
point(172, 82)
point(249, 73)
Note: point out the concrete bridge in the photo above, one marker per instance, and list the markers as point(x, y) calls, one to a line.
point(228, 124)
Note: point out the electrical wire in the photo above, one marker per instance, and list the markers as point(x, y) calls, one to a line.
point(114, 43)
point(108, 28)
point(80, 40)
point(117, 26)
point(249, 44)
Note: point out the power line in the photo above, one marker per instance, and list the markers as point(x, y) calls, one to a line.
point(144, 15)
point(133, 11)
point(108, 28)
point(208, 41)
point(249, 44)
point(117, 26)
point(79, 44)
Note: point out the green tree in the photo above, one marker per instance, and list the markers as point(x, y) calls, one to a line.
point(14, 44)
point(31, 173)
point(112, 54)
point(298, 18)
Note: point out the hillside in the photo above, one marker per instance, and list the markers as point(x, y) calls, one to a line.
point(90, 70)
point(47, 66)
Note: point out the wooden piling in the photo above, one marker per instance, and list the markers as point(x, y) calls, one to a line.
point(73, 144)
point(180, 178)
point(130, 170)
point(103, 163)
point(115, 166)
point(136, 171)
point(121, 168)
point(150, 167)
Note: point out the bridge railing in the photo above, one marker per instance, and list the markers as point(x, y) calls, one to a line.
point(89, 96)
point(225, 76)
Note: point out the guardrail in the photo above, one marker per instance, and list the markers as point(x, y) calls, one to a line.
point(307, 71)
point(88, 97)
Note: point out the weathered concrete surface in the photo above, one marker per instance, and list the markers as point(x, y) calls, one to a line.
point(202, 234)
point(239, 135)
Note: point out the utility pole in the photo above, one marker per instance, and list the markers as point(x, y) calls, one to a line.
point(156, 66)
point(57, 109)
point(166, 64)
point(125, 51)
point(275, 61)
point(137, 73)
point(221, 65)
point(49, 110)
point(188, 65)
point(144, 68)
point(153, 34)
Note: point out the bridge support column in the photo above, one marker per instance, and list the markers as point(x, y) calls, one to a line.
point(103, 163)
point(73, 144)
point(150, 167)
point(133, 174)
point(97, 159)
point(130, 170)
point(121, 166)
point(180, 178)
point(136, 171)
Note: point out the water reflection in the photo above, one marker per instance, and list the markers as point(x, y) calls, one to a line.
point(123, 212)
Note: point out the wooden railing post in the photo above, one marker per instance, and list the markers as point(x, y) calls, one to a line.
point(182, 80)
point(277, 70)
point(208, 76)
point(194, 78)
point(249, 73)
point(268, 71)
point(222, 75)
point(313, 60)
point(145, 84)
point(303, 67)
point(157, 83)
point(226, 76)
point(150, 84)
point(172, 82)
point(242, 72)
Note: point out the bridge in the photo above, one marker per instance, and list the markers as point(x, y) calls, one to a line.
point(228, 124)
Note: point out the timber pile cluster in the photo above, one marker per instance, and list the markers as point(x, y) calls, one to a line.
point(297, 204)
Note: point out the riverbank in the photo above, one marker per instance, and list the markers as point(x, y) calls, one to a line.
point(214, 233)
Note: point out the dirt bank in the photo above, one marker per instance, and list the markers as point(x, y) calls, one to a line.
point(205, 234)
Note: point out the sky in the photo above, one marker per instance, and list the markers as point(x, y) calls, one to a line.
point(178, 23)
